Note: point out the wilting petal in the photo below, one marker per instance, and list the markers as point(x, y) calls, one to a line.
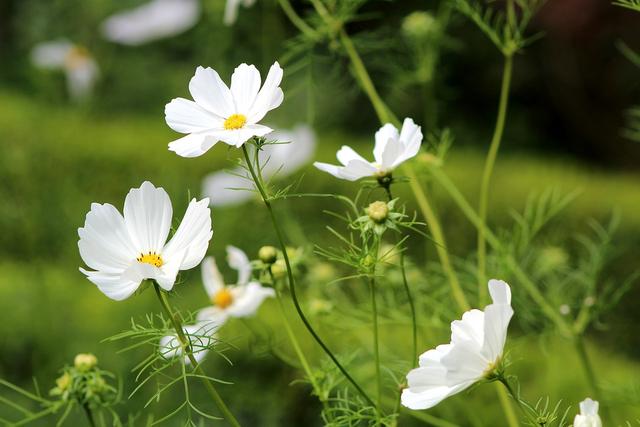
point(147, 215)
point(192, 236)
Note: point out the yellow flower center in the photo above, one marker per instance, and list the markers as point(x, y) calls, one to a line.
point(235, 121)
point(151, 258)
point(223, 298)
point(76, 56)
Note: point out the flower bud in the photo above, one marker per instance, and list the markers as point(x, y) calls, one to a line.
point(418, 25)
point(268, 254)
point(64, 382)
point(378, 212)
point(85, 361)
point(279, 269)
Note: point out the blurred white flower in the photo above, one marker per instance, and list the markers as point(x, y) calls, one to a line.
point(80, 68)
point(240, 300)
point(220, 113)
point(391, 149)
point(476, 346)
point(283, 159)
point(124, 251)
point(231, 10)
point(151, 21)
point(588, 416)
point(201, 337)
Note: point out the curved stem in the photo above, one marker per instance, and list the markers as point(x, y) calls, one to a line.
point(87, 411)
point(487, 173)
point(292, 287)
point(512, 420)
point(414, 323)
point(376, 347)
point(296, 20)
point(186, 348)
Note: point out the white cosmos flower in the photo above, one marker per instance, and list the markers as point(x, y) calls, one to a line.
point(80, 68)
point(231, 10)
point(201, 336)
point(476, 346)
point(588, 416)
point(390, 150)
point(220, 113)
point(151, 21)
point(297, 148)
point(125, 250)
point(240, 300)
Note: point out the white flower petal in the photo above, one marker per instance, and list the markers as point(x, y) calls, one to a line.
point(227, 188)
point(193, 145)
point(285, 159)
point(427, 388)
point(212, 314)
point(347, 154)
point(211, 277)
point(464, 363)
point(147, 215)
point(151, 21)
point(238, 260)
point(392, 152)
point(200, 338)
point(192, 236)
point(500, 292)
point(383, 136)
point(231, 10)
point(411, 139)
point(105, 243)
point(589, 407)
point(210, 92)
point(245, 84)
point(113, 286)
point(470, 328)
point(51, 55)
point(357, 169)
point(269, 97)
point(247, 302)
point(185, 116)
point(81, 78)
point(237, 137)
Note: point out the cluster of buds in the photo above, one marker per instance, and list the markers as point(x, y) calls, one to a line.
point(272, 259)
point(85, 383)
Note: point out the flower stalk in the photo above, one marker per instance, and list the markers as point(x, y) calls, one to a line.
point(292, 287)
point(376, 345)
point(186, 348)
point(488, 172)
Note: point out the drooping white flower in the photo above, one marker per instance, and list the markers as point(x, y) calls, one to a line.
point(125, 250)
point(476, 346)
point(80, 68)
point(231, 10)
point(240, 300)
point(297, 148)
point(220, 113)
point(390, 150)
point(588, 416)
point(201, 336)
point(151, 21)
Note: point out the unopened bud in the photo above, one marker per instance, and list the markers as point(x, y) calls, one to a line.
point(378, 212)
point(85, 361)
point(268, 254)
point(419, 24)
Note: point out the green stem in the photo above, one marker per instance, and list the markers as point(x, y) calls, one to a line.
point(292, 287)
point(186, 348)
point(515, 397)
point(87, 411)
point(296, 20)
point(512, 420)
point(376, 346)
point(294, 342)
point(414, 323)
point(487, 173)
point(589, 372)
point(519, 274)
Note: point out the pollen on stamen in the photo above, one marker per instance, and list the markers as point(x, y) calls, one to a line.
point(151, 258)
point(235, 121)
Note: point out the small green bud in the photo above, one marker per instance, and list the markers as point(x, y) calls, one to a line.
point(367, 262)
point(64, 382)
point(378, 212)
point(85, 361)
point(419, 25)
point(279, 269)
point(268, 254)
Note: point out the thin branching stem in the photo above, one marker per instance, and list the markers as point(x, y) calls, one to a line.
point(292, 287)
point(414, 323)
point(376, 344)
point(296, 20)
point(488, 172)
point(187, 350)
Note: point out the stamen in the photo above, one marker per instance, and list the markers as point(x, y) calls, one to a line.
point(151, 258)
point(235, 121)
point(223, 298)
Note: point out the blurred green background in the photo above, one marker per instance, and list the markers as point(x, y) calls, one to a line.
point(570, 91)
